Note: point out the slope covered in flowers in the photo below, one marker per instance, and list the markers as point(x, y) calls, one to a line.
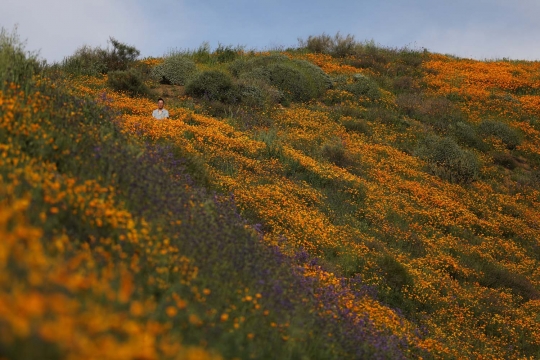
point(323, 230)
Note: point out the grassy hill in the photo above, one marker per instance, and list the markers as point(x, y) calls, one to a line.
point(335, 200)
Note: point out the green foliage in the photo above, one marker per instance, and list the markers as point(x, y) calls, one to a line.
point(257, 93)
point(337, 45)
point(318, 44)
point(438, 112)
point(392, 63)
point(409, 57)
point(227, 53)
point(298, 80)
point(370, 56)
point(129, 81)
point(364, 86)
point(509, 136)
point(357, 125)
point(385, 116)
point(320, 79)
point(202, 54)
point(16, 64)
point(256, 66)
point(175, 69)
point(271, 139)
point(339, 111)
point(396, 277)
point(86, 61)
point(334, 151)
point(395, 274)
point(294, 84)
point(95, 61)
point(467, 135)
point(448, 160)
point(121, 56)
point(212, 85)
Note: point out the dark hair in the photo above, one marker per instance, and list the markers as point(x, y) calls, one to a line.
point(161, 100)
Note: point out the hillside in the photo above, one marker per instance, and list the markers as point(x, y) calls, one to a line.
point(335, 200)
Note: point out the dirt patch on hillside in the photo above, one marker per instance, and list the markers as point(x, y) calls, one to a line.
point(168, 91)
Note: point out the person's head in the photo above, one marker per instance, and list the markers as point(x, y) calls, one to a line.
point(160, 103)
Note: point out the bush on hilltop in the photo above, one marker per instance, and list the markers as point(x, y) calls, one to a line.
point(337, 45)
point(176, 69)
point(16, 64)
point(298, 80)
point(212, 85)
point(129, 81)
point(96, 61)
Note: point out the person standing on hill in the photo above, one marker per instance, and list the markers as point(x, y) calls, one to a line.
point(160, 113)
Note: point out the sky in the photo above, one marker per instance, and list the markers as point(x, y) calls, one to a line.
point(478, 29)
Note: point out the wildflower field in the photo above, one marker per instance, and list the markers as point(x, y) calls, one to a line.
point(307, 203)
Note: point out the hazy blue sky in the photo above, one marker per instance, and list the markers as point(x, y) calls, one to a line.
point(476, 28)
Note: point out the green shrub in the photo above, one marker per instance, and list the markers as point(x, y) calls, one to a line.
point(227, 53)
point(343, 46)
point(438, 112)
point(448, 160)
point(467, 135)
point(385, 116)
point(129, 81)
point(509, 136)
point(364, 86)
point(412, 58)
point(338, 98)
point(257, 93)
point(318, 44)
point(321, 79)
point(86, 61)
point(96, 61)
point(356, 125)
point(240, 66)
point(16, 64)
point(339, 111)
point(395, 274)
point(260, 74)
point(202, 54)
point(298, 80)
point(245, 65)
point(294, 84)
point(176, 69)
point(335, 152)
point(271, 139)
point(212, 85)
point(121, 56)
point(337, 46)
point(369, 55)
